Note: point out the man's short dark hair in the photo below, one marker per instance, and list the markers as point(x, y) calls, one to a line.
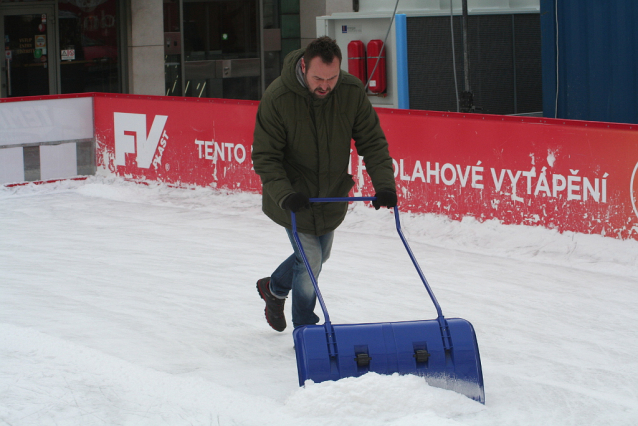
point(325, 47)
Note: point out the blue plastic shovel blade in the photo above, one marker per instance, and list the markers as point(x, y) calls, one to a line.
point(410, 347)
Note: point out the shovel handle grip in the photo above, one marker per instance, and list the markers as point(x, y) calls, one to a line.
point(341, 199)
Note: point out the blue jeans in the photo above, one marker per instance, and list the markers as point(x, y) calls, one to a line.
point(292, 275)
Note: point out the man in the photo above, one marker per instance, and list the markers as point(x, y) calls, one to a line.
point(301, 150)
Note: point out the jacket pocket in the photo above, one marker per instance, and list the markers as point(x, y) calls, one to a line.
point(343, 186)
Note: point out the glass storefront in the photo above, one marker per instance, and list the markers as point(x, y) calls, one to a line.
point(172, 48)
point(88, 33)
point(77, 52)
point(28, 67)
point(27, 64)
point(213, 48)
point(221, 48)
point(221, 35)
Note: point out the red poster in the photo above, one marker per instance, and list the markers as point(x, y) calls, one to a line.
point(567, 175)
point(178, 141)
point(559, 174)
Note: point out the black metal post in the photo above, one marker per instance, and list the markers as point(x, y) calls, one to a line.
point(467, 98)
point(466, 55)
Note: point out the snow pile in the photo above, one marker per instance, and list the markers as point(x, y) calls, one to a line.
point(129, 304)
point(380, 398)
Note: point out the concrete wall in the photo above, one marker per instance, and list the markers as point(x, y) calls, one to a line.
point(309, 10)
point(146, 48)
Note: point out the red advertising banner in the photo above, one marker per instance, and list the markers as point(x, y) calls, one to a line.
point(559, 174)
point(566, 175)
point(181, 141)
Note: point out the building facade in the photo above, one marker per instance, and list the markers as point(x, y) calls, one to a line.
point(212, 48)
point(235, 48)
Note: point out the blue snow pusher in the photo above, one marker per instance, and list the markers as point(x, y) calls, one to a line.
point(443, 351)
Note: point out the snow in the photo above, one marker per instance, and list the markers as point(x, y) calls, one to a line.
point(128, 304)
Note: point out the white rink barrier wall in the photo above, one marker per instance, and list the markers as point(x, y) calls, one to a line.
point(46, 139)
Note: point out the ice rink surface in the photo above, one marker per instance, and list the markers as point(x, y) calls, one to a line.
point(128, 304)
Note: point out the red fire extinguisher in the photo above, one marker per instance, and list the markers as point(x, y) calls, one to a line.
point(378, 80)
point(357, 60)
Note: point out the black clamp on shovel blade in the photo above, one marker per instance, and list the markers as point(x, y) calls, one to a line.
point(363, 360)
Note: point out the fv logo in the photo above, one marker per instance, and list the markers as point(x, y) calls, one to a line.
point(131, 137)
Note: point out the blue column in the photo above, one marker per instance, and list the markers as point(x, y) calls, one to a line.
point(401, 29)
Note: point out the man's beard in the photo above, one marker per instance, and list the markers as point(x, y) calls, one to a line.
point(314, 93)
point(318, 96)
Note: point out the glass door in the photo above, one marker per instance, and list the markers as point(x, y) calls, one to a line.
point(90, 58)
point(29, 62)
point(221, 48)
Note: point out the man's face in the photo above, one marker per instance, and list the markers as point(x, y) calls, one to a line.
point(320, 77)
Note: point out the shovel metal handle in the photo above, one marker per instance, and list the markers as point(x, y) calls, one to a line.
point(303, 253)
point(305, 261)
point(442, 321)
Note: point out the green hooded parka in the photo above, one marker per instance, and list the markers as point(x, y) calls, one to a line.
point(302, 144)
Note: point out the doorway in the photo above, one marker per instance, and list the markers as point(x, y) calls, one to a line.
point(70, 46)
point(29, 63)
point(221, 48)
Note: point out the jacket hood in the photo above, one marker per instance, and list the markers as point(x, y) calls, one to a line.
point(289, 74)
